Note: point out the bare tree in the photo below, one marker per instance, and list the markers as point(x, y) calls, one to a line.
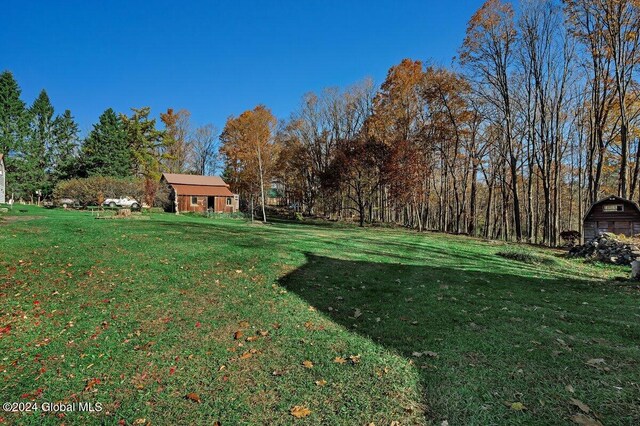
point(488, 51)
point(204, 157)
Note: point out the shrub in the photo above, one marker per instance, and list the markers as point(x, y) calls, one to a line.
point(525, 256)
point(95, 189)
point(570, 237)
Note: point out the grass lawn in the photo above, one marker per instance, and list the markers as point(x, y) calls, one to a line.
point(185, 320)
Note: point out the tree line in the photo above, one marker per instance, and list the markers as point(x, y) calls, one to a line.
point(43, 149)
point(537, 118)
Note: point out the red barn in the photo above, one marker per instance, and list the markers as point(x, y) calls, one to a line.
point(195, 193)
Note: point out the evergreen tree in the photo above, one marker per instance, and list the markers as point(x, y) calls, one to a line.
point(14, 128)
point(147, 146)
point(63, 150)
point(33, 163)
point(105, 151)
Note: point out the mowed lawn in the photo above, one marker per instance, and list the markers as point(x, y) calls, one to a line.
point(185, 320)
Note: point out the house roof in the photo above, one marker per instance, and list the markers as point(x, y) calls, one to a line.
point(202, 190)
point(612, 198)
point(180, 179)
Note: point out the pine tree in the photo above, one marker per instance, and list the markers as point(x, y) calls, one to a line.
point(63, 150)
point(147, 146)
point(32, 163)
point(105, 151)
point(13, 126)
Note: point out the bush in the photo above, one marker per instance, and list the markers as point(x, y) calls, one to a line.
point(155, 210)
point(95, 189)
point(525, 256)
point(570, 237)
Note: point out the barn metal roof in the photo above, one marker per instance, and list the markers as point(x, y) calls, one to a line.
point(180, 179)
point(202, 190)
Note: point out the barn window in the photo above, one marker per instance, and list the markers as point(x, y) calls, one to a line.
point(613, 208)
point(194, 201)
point(228, 201)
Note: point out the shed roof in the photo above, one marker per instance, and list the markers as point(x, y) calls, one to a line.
point(198, 180)
point(612, 198)
point(202, 190)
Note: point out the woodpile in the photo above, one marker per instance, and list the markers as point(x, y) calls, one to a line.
point(609, 248)
point(124, 213)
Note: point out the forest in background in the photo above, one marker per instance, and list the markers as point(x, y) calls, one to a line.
point(536, 118)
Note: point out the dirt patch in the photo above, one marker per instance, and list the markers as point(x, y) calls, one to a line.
point(8, 219)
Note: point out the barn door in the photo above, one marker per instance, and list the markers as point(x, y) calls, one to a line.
point(622, 227)
point(603, 226)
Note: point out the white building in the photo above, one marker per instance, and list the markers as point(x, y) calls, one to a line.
point(2, 182)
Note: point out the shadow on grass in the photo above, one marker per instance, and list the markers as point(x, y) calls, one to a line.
point(486, 327)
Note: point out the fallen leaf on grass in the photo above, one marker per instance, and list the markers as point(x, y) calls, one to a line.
point(307, 364)
point(263, 333)
point(252, 338)
point(515, 406)
point(597, 363)
point(583, 420)
point(91, 383)
point(321, 382)
point(570, 388)
point(425, 353)
point(564, 344)
point(193, 397)
point(243, 324)
point(237, 335)
point(246, 355)
point(581, 405)
point(300, 411)
point(340, 360)
point(357, 313)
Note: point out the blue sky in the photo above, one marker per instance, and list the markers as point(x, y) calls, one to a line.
point(215, 58)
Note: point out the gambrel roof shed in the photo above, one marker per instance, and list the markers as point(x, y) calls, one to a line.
point(612, 214)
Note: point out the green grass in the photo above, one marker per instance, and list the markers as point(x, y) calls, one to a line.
point(438, 327)
point(525, 255)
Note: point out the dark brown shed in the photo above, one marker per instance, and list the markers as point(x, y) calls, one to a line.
point(612, 214)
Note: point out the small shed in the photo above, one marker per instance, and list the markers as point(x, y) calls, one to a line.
point(612, 214)
point(197, 193)
point(3, 191)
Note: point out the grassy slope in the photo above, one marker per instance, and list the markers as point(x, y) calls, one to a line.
point(150, 309)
